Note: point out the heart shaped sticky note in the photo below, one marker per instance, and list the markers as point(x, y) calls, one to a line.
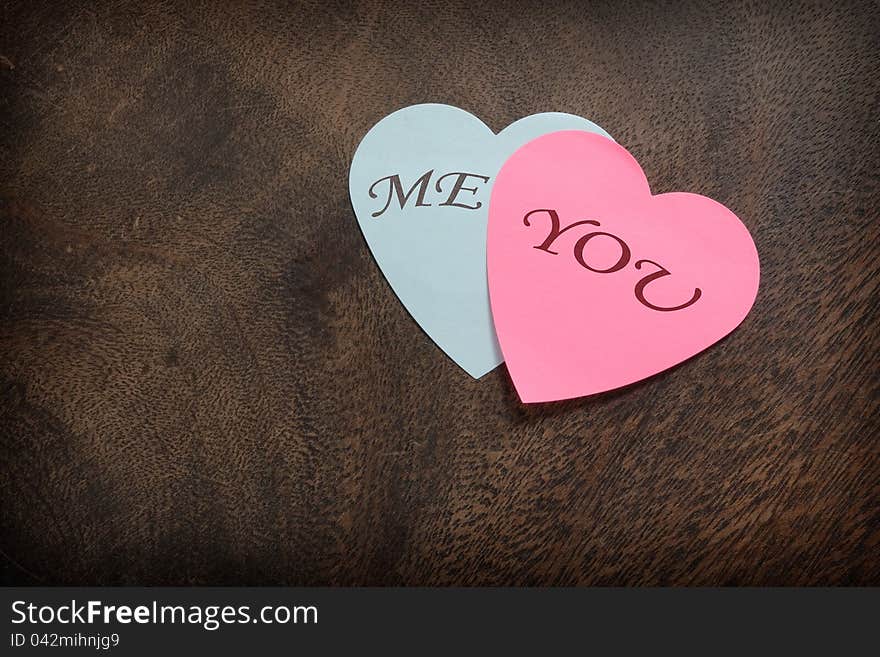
point(594, 282)
point(420, 184)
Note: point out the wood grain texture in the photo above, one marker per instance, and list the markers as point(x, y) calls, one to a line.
point(206, 380)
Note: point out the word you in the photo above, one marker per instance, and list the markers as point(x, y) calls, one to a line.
point(623, 261)
point(395, 188)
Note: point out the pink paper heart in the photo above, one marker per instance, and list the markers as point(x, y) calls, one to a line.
point(594, 282)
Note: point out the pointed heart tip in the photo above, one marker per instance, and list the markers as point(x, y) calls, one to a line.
point(538, 395)
point(478, 373)
point(538, 399)
point(530, 395)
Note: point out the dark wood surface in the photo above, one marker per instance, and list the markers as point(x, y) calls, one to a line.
point(206, 380)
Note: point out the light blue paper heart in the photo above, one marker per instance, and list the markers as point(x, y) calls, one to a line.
point(432, 250)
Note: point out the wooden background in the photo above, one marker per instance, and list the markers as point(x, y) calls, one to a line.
point(206, 380)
